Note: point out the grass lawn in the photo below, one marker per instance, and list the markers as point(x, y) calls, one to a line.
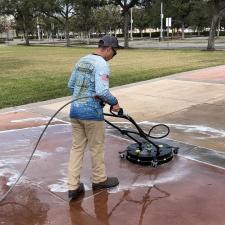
point(31, 74)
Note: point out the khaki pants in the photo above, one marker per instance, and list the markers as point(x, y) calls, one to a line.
point(92, 133)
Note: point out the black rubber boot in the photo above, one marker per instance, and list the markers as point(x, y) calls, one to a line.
point(75, 193)
point(110, 182)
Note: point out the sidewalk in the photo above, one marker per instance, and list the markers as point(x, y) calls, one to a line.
point(191, 103)
point(189, 190)
point(187, 43)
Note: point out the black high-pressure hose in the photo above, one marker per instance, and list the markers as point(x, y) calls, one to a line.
point(120, 114)
point(39, 139)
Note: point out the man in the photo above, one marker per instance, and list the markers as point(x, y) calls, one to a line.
point(90, 78)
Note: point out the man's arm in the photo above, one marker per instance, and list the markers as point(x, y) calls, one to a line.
point(102, 88)
point(71, 81)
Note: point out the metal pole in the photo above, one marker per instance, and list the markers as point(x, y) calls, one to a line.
point(131, 23)
point(161, 21)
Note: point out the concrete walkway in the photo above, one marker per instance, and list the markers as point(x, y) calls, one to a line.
point(191, 103)
point(188, 190)
point(187, 43)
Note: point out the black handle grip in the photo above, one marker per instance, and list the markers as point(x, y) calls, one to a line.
point(119, 113)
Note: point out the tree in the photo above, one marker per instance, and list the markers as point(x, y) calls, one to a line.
point(3, 23)
point(65, 10)
point(83, 21)
point(217, 8)
point(153, 11)
point(179, 10)
point(86, 16)
point(126, 5)
point(141, 19)
point(107, 19)
point(24, 12)
point(49, 25)
point(61, 10)
point(199, 16)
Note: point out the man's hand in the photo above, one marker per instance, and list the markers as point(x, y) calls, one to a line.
point(116, 108)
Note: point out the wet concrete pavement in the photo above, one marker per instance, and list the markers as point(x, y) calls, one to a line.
point(187, 190)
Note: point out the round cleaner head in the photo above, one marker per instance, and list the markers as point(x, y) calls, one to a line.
point(149, 155)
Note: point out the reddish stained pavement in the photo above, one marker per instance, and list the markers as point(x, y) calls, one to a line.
point(180, 192)
point(184, 191)
point(22, 119)
point(200, 75)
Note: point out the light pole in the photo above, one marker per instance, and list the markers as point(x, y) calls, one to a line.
point(161, 22)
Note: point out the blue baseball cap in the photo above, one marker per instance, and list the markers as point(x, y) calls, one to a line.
point(109, 41)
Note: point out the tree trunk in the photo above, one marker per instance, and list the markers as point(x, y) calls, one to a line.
point(67, 33)
point(126, 44)
point(17, 33)
point(212, 33)
point(26, 38)
point(88, 37)
point(182, 30)
point(25, 32)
